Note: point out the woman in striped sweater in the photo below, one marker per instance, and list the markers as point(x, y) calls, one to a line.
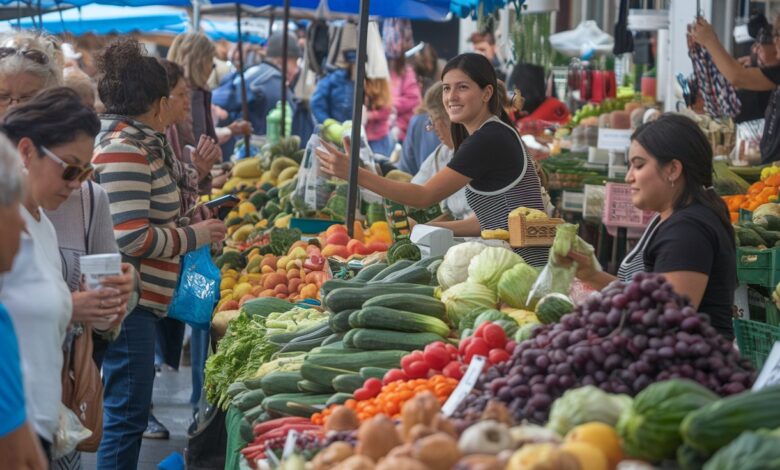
point(137, 168)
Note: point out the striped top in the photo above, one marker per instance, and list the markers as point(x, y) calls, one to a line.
point(136, 167)
point(492, 208)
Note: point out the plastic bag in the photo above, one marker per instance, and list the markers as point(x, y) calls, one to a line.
point(69, 433)
point(584, 38)
point(313, 186)
point(197, 291)
point(558, 276)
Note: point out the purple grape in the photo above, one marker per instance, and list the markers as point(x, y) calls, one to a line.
point(505, 394)
point(733, 388)
point(666, 352)
point(538, 389)
point(540, 401)
point(620, 301)
point(650, 318)
point(542, 362)
point(681, 349)
point(612, 362)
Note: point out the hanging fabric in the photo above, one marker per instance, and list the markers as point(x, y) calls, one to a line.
point(624, 41)
point(720, 96)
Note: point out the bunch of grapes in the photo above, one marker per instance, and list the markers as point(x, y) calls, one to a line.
point(621, 340)
point(308, 444)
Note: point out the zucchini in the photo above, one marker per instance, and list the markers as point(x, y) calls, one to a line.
point(280, 382)
point(335, 337)
point(375, 372)
point(235, 388)
point(321, 331)
point(280, 339)
point(366, 274)
point(714, 426)
point(339, 399)
point(352, 297)
point(307, 386)
point(375, 339)
point(339, 321)
point(333, 284)
point(284, 404)
point(253, 383)
point(350, 334)
point(424, 304)
point(264, 306)
point(412, 275)
point(384, 318)
point(354, 322)
point(347, 383)
point(397, 266)
point(254, 413)
point(323, 368)
point(305, 345)
point(245, 430)
point(249, 399)
point(426, 262)
point(322, 375)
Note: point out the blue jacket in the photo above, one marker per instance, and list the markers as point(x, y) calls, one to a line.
point(333, 97)
point(418, 144)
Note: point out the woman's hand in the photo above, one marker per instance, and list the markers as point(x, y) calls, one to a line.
point(215, 227)
point(205, 156)
point(702, 33)
point(333, 161)
point(585, 269)
point(97, 305)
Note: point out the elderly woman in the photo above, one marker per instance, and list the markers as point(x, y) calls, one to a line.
point(136, 166)
point(19, 446)
point(29, 63)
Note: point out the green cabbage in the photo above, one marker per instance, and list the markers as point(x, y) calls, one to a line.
point(515, 285)
point(752, 450)
point(583, 405)
point(466, 297)
point(454, 267)
point(487, 267)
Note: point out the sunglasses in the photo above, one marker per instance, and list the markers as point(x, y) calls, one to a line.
point(70, 172)
point(32, 54)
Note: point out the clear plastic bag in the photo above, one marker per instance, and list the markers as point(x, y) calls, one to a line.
point(69, 433)
point(558, 275)
point(313, 186)
point(198, 289)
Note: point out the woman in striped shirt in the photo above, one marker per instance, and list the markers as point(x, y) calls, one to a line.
point(137, 168)
point(490, 160)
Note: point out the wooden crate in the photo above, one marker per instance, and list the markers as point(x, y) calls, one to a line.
point(525, 233)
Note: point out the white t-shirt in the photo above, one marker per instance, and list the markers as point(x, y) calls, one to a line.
point(438, 159)
point(39, 303)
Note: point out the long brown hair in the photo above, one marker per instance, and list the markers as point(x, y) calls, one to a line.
point(377, 93)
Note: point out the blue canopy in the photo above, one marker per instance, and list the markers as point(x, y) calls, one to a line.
point(53, 4)
point(216, 30)
point(414, 9)
point(104, 19)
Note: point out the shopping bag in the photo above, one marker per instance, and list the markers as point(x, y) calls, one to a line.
point(197, 291)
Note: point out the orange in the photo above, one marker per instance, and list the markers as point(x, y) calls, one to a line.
point(600, 435)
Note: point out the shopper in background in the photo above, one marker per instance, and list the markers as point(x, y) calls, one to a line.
point(427, 66)
point(485, 43)
point(29, 62)
point(136, 167)
point(397, 35)
point(80, 82)
point(419, 142)
point(19, 446)
point(334, 93)
point(378, 111)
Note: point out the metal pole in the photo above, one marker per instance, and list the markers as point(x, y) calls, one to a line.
point(196, 15)
point(357, 116)
point(244, 105)
point(285, 30)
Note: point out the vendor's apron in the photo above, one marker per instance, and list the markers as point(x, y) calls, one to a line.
point(634, 261)
point(493, 207)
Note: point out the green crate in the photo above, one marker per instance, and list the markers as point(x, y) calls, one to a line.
point(759, 267)
point(745, 216)
point(755, 340)
point(762, 307)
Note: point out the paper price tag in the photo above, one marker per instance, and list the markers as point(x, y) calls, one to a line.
point(464, 386)
point(770, 373)
point(617, 140)
point(289, 444)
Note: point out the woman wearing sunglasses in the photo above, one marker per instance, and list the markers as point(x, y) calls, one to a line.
point(54, 134)
point(29, 63)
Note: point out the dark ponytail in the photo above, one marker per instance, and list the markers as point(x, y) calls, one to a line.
point(479, 69)
point(677, 137)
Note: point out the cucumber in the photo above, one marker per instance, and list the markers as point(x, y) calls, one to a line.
point(254, 413)
point(323, 368)
point(384, 318)
point(375, 372)
point(307, 386)
point(335, 337)
point(284, 404)
point(347, 383)
point(245, 430)
point(249, 399)
point(235, 388)
point(280, 339)
point(351, 297)
point(339, 399)
point(303, 346)
point(253, 383)
point(322, 331)
point(366, 274)
point(350, 334)
point(397, 266)
point(426, 262)
point(339, 322)
point(424, 304)
point(375, 339)
point(332, 284)
point(412, 275)
point(280, 382)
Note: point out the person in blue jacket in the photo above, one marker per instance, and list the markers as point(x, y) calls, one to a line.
point(264, 91)
point(333, 95)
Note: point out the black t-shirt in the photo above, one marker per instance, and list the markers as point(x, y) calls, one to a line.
point(770, 140)
point(492, 157)
point(694, 239)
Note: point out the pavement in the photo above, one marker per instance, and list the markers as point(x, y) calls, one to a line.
point(171, 398)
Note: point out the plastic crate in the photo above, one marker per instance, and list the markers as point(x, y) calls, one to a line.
point(755, 340)
point(312, 225)
point(759, 267)
point(593, 205)
point(619, 211)
point(572, 201)
point(761, 307)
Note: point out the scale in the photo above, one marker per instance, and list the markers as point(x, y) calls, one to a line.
point(432, 241)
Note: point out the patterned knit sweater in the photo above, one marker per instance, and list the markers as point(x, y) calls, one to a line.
point(137, 168)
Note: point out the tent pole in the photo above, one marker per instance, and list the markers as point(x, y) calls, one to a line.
point(357, 116)
point(285, 30)
point(244, 105)
point(196, 15)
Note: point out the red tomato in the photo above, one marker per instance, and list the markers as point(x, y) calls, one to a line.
point(394, 375)
point(464, 344)
point(452, 370)
point(498, 355)
point(494, 335)
point(480, 330)
point(510, 347)
point(375, 246)
point(434, 345)
point(338, 238)
point(452, 351)
point(478, 347)
point(413, 356)
point(362, 394)
point(357, 247)
point(373, 385)
point(436, 357)
point(417, 370)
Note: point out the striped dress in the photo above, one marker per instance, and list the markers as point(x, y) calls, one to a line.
point(137, 168)
point(492, 208)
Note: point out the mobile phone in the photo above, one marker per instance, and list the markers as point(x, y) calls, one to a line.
point(227, 200)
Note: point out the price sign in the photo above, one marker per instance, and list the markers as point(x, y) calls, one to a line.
point(289, 444)
point(617, 140)
point(465, 385)
point(770, 373)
